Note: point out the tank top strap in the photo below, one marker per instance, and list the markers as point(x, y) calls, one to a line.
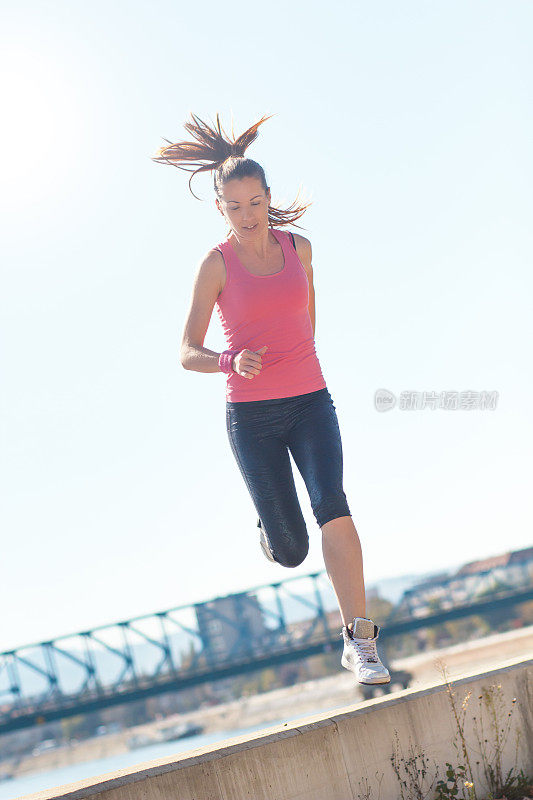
point(224, 248)
point(289, 251)
point(230, 261)
point(292, 259)
point(282, 237)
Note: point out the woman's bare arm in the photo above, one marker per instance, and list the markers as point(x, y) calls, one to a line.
point(207, 286)
point(304, 250)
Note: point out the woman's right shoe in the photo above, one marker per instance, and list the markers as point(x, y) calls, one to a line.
point(263, 541)
point(360, 655)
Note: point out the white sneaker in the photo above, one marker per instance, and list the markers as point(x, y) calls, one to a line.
point(263, 541)
point(360, 655)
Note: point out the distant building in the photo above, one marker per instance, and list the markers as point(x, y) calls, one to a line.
point(230, 626)
point(474, 579)
point(515, 562)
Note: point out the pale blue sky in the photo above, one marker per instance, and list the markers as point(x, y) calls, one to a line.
point(410, 127)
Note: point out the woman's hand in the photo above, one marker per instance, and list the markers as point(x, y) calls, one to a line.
point(248, 362)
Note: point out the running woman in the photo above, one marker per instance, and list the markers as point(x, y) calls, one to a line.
point(260, 279)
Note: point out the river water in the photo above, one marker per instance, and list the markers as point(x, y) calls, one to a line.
point(39, 781)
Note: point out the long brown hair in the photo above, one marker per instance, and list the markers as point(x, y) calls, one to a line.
point(213, 150)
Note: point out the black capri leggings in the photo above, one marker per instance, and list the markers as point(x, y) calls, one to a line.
point(261, 433)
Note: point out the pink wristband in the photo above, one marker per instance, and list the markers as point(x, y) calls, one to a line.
point(225, 360)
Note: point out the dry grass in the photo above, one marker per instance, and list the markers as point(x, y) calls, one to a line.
point(492, 730)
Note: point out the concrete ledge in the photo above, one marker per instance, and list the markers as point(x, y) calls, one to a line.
point(324, 757)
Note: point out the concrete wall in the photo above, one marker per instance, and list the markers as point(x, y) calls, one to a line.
point(326, 757)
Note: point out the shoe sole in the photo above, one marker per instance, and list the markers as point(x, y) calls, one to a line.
point(349, 667)
point(267, 552)
point(264, 546)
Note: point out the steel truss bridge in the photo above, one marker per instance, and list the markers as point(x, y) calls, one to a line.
point(171, 650)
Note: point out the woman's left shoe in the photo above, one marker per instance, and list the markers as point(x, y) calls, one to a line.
point(360, 655)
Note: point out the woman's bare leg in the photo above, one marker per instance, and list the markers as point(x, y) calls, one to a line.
point(343, 558)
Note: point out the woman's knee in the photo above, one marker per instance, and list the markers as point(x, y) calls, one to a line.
point(290, 550)
point(291, 556)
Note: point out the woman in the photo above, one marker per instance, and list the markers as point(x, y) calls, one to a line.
point(261, 280)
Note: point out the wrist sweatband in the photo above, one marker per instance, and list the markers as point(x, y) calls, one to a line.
point(225, 359)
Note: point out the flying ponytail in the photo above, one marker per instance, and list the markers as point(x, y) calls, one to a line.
point(213, 150)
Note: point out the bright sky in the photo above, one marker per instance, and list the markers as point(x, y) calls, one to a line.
point(410, 128)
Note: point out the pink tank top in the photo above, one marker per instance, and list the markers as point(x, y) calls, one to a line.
point(274, 310)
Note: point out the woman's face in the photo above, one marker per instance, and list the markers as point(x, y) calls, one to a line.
point(245, 205)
